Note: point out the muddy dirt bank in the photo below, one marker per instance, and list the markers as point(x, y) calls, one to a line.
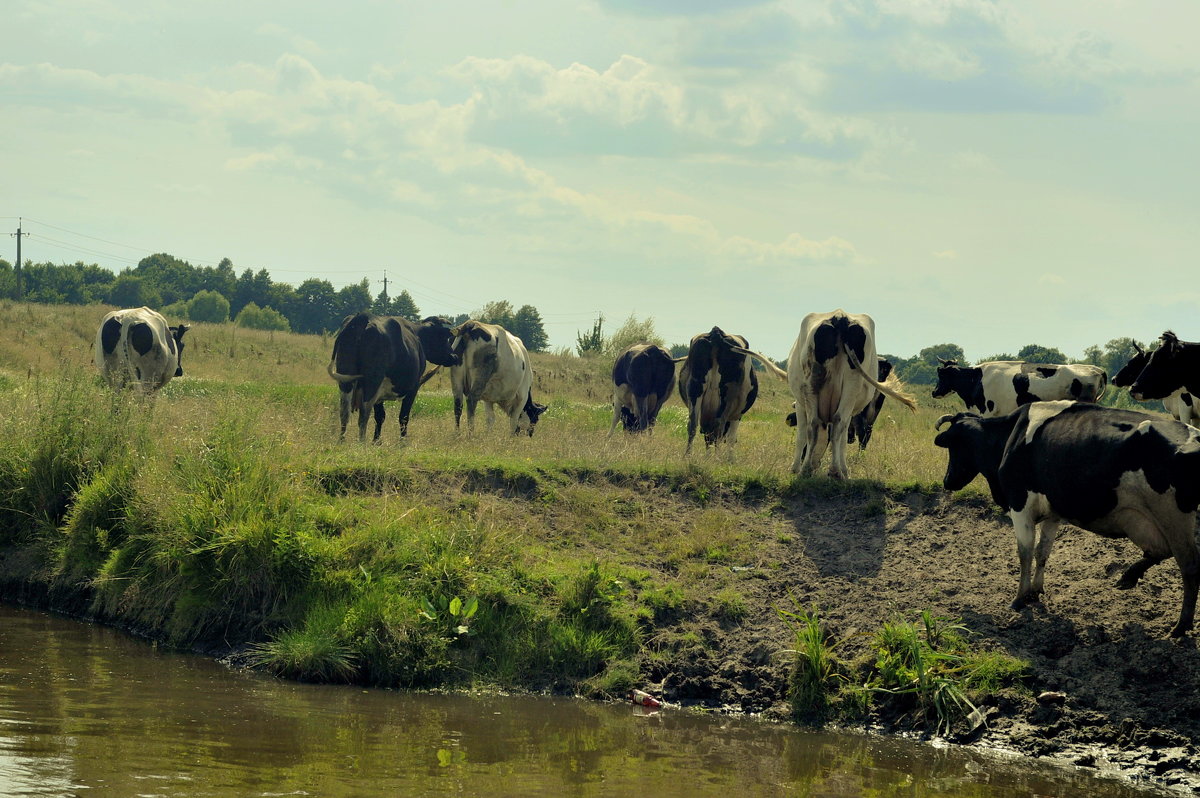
point(1132, 696)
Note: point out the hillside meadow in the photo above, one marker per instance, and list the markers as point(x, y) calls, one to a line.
point(225, 515)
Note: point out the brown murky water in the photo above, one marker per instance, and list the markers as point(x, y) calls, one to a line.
point(86, 710)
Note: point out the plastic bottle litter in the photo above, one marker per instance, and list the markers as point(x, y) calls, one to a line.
point(644, 699)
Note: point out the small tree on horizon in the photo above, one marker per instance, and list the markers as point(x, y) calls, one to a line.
point(632, 332)
point(591, 343)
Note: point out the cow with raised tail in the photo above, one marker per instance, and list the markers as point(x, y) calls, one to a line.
point(718, 385)
point(377, 358)
point(493, 368)
point(136, 346)
point(833, 372)
point(1118, 473)
point(643, 377)
point(998, 387)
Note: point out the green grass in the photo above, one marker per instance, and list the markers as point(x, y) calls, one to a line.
point(224, 511)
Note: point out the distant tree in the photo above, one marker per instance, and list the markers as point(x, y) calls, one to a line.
point(921, 369)
point(353, 298)
point(679, 350)
point(175, 310)
point(1035, 353)
point(250, 287)
point(208, 306)
point(527, 325)
point(498, 312)
point(316, 307)
point(172, 278)
point(8, 280)
point(220, 278)
point(131, 291)
point(1115, 354)
point(404, 307)
point(934, 355)
point(257, 318)
point(632, 332)
point(591, 343)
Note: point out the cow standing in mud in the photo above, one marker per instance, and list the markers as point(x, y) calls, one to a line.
point(1118, 473)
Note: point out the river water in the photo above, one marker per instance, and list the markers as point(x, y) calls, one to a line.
point(89, 711)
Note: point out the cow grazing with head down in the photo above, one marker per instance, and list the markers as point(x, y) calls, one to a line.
point(376, 358)
point(717, 385)
point(1180, 403)
point(643, 377)
point(493, 368)
point(833, 372)
point(136, 346)
point(998, 387)
point(1118, 473)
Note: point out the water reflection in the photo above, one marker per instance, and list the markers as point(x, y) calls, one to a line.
point(85, 709)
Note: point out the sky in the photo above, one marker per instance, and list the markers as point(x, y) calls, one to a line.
point(991, 174)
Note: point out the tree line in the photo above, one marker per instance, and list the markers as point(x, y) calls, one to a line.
point(218, 294)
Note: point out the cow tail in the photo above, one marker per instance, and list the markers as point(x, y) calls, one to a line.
point(766, 361)
point(429, 375)
point(890, 387)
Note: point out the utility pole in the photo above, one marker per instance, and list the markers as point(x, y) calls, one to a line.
point(385, 293)
point(17, 270)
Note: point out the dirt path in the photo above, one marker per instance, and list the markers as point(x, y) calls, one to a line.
point(1132, 702)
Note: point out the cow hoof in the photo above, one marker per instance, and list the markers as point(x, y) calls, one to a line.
point(1180, 630)
point(1124, 583)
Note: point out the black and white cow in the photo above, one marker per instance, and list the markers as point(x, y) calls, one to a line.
point(717, 385)
point(643, 377)
point(1174, 366)
point(1118, 473)
point(833, 372)
point(1180, 403)
point(998, 387)
point(864, 423)
point(136, 346)
point(376, 358)
point(494, 368)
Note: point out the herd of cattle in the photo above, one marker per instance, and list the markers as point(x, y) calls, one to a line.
point(1047, 451)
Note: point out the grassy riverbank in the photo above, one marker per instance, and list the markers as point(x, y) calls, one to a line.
point(225, 515)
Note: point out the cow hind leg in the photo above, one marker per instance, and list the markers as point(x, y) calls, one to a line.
point(838, 468)
point(1135, 572)
point(344, 411)
point(380, 414)
point(1023, 529)
point(406, 404)
point(1045, 543)
point(1187, 556)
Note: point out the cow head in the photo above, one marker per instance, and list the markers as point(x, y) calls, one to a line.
point(1130, 371)
point(960, 440)
point(437, 341)
point(885, 368)
point(949, 375)
point(177, 334)
point(1166, 369)
point(532, 411)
